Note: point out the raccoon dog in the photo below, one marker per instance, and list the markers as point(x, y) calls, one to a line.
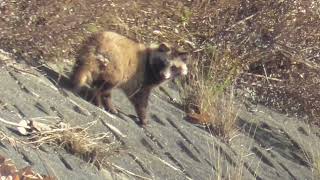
point(109, 60)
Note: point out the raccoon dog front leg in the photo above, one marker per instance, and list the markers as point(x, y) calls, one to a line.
point(140, 102)
point(108, 105)
point(103, 97)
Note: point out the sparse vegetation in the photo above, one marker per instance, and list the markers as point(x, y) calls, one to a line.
point(268, 50)
point(316, 167)
point(313, 157)
point(75, 140)
point(228, 173)
point(273, 44)
point(78, 141)
point(209, 100)
point(219, 114)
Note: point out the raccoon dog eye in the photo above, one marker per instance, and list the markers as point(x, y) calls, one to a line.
point(183, 56)
point(162, 64)
point(163, 47)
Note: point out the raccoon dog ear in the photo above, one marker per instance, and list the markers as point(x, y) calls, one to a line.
point(183, 55)
point(163, 47)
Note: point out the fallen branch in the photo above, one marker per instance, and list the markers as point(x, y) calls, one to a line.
point(129, 172)
point(14, 124)
point(269, 78)
point(114, 129)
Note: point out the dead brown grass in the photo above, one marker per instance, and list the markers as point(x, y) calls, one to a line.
point(316, 166)
point(9, 171)
point(208, 99)
point(77, 140)
point(219, 114)
point(93, 148)
point(274, 44)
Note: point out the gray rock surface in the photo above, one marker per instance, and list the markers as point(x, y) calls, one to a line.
point(268, 145)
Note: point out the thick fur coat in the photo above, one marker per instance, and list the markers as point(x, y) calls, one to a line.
point(109, 60)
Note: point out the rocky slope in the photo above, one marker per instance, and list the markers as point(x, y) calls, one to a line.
point(268, 145)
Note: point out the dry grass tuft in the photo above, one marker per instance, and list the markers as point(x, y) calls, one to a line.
point(219, 113)
point(75, 140)
point(209, 98)
point(316, 166)
point(313, 158)
point(275, 42)
point(78, 141)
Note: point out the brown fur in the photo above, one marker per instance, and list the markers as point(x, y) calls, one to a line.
point(108, 60)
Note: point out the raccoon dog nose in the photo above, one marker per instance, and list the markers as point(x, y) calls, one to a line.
point(177, 71)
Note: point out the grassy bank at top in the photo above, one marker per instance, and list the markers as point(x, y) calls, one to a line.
point(268, 49)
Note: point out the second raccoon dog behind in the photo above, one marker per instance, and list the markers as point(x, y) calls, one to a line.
point(109, 60)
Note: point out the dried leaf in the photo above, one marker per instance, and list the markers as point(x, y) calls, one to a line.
point(40, 126)
point(23, 130)
point(6, 170)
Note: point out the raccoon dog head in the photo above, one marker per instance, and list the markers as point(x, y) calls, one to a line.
point(167, 62)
